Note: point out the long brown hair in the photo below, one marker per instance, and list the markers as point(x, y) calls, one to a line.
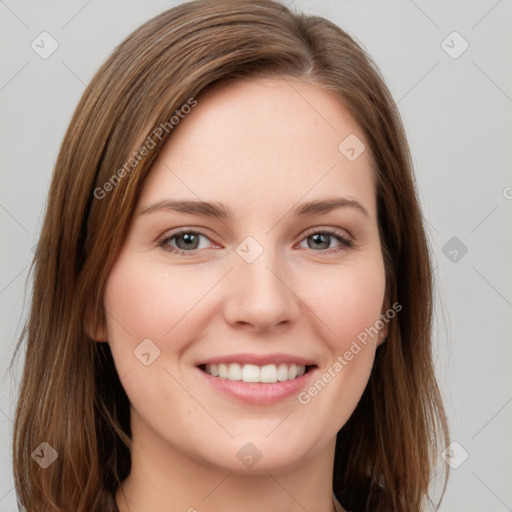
point(71, 396)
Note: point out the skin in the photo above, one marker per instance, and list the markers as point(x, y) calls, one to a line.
point(259, 147)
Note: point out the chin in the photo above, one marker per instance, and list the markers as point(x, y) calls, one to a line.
point(256, 454)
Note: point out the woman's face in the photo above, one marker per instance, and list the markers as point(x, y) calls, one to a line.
point(276, 287)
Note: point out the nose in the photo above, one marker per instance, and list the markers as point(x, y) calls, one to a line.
point(260, 294)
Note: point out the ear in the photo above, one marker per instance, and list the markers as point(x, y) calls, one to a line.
point(383, 333)
point(95, 327)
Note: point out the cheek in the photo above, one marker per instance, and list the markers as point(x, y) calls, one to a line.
point(150, 303)
point(348, 312)
point(347, 301)
point(148, 329)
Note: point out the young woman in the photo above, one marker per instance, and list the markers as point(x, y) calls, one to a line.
point(232, 297)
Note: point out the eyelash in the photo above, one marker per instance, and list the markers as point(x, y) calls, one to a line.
point(345, 242)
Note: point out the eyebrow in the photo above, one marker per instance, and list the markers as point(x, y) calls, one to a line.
point(218, 210)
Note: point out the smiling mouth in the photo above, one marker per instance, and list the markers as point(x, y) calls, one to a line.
point(267, 374)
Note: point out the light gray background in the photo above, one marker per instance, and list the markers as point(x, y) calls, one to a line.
point(457, 113)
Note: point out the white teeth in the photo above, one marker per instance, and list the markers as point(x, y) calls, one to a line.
point(282, 372)
point(234, 372)
point(250, 373)
point(269, 373)
point(223, 371)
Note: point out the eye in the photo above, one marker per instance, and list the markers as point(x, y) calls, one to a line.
point(187, 241)
point(322, 239)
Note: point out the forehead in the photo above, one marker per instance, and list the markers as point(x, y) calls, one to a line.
point(264, 141)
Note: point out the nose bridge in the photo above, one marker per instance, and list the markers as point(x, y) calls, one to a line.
point(258, 291)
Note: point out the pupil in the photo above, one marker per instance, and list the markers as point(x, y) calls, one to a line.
point(189, 239)
point(319, 235)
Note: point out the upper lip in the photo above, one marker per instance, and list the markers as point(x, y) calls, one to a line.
point(258, 359)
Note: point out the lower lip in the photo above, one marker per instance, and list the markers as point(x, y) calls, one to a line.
point(257, 392)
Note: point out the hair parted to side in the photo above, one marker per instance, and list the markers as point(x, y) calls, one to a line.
point(71, 395)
